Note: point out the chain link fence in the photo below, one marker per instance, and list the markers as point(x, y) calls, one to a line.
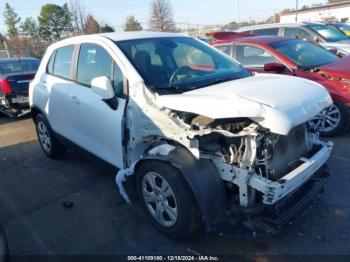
point(37, 52)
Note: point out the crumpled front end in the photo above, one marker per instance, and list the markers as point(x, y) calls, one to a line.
point(252, 168)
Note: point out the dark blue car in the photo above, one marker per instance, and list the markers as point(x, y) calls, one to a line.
point(15, 75)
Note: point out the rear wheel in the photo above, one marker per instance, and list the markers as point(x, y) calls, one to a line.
point(167, 199)
point(48, 142)
point(332, 120)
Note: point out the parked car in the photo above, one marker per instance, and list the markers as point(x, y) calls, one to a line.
point(280, 55)
point(345, 28)
point(15, 75)
point(322, 34)
point(207, 142)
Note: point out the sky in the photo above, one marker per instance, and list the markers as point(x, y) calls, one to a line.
point(193, 12)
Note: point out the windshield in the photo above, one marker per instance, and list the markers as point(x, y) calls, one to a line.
point(345, 28)
point(305, 54)
point(18, 66)
point(329, 33)
point(179, 63)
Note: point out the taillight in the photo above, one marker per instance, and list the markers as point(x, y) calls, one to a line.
point(5, 86)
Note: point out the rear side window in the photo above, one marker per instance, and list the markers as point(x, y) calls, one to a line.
point(63, 62)
point(267, 31)
point(297, 33)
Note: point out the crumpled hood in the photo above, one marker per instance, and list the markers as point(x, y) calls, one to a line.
point(339, 69)
point(274, 101)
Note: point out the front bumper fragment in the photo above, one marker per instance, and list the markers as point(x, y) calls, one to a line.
point(273, 191)
point(273, 217)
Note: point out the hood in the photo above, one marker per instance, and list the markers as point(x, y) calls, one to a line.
point(276, 102)
point(339, 69)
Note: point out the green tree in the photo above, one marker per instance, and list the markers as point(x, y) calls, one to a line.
point(132, 24)
point(11, 20)
point(54, 21)
point(30, 27)
point(106, 29)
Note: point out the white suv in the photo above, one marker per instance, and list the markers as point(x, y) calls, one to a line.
point(207, 142)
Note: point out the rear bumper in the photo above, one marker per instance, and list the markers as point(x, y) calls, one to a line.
point(270, 219)
point(14, 104)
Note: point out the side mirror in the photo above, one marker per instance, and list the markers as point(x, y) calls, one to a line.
point(274, 67)
point(102, 86)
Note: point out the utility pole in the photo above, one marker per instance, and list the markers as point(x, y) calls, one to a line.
point(296, 10)
point(238, 15)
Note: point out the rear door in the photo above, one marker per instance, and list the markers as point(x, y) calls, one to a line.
point(97, 127)
point(56, 81)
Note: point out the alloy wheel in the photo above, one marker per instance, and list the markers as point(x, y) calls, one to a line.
point(327, 120)
point(44, 136)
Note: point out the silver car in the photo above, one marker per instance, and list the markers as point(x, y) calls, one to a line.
point(325, 35)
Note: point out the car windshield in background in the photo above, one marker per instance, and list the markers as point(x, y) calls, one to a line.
point(305, 54)
point(329, 33)
point(180, 62)
point(345, 28)
point(18, 66)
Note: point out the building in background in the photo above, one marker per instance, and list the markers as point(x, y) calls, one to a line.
point(330, 12)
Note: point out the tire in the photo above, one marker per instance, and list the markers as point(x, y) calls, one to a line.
point(179, 214)
point(47, 140)
point(333, 120)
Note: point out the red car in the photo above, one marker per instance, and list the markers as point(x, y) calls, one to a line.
point(280, 55)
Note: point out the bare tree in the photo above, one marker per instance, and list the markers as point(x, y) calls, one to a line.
point(162, 16)
point(91, 26)
point(78, 15)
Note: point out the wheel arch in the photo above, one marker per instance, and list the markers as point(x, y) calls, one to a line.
point(203, 179)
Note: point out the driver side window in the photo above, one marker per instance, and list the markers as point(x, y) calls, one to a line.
point(252, 56)
point(95, 61)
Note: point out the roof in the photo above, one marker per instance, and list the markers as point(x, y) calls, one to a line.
point(116, 36)
point(121, 36)
point(242, 29)
point(317, 8)
point(266, 40)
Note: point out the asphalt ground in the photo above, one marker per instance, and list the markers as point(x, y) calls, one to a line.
point(96, 221)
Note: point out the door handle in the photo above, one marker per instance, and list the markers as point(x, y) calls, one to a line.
point(74, 100)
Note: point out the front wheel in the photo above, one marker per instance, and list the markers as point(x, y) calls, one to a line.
point(332, 120)
point(167, 199)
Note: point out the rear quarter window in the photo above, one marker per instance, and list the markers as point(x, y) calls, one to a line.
point(63, 62)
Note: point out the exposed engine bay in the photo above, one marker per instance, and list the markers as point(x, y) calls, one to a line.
point(243, 143)
point(252, 159)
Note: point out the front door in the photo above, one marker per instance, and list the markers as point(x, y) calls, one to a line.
point(97, 127)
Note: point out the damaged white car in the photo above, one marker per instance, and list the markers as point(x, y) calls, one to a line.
point(207, 143)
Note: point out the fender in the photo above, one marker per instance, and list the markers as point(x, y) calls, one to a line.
point(204, 180)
